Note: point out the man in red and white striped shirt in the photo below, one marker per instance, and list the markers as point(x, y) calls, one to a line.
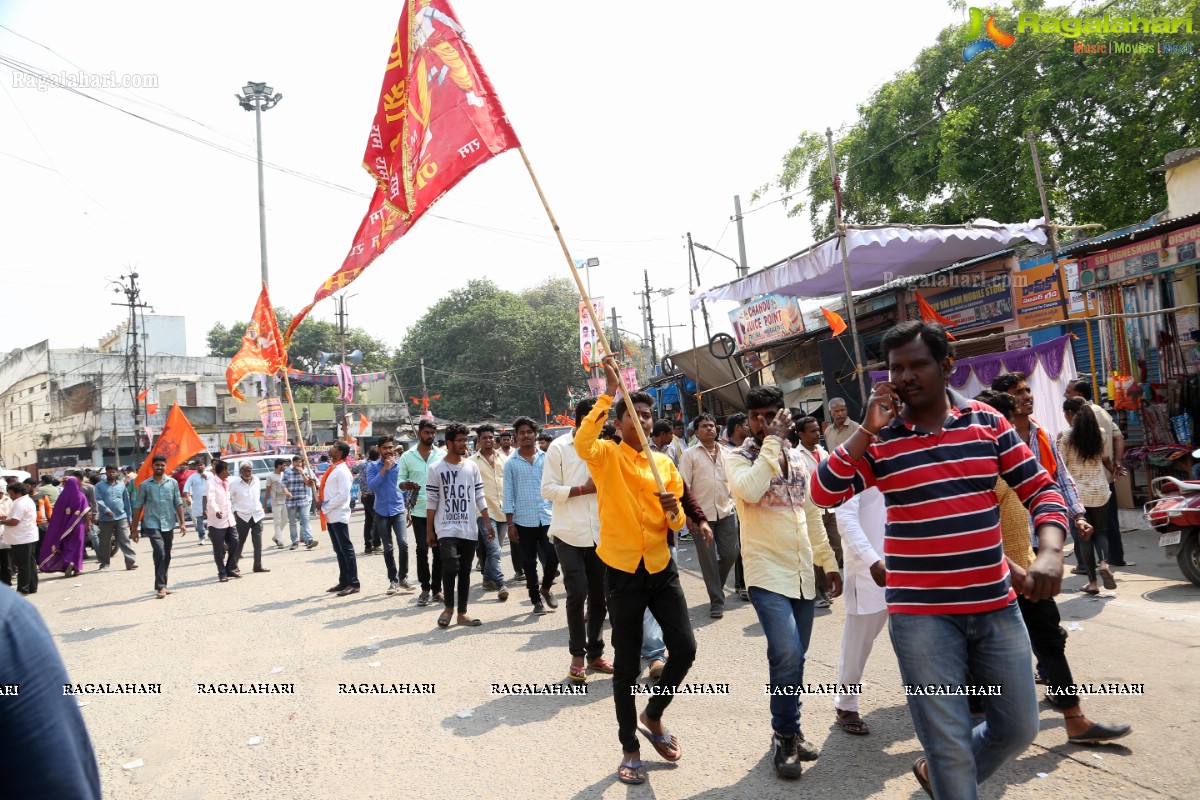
point(953, 616)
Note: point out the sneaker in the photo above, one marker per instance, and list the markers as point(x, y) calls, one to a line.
point(393, 587)
point(405, 585)
point(366, 551)
point(503, 595)
point(294, 546)
point(423, 600)
point(822, 602)
point(311, 544)
point(784, 756)
point(538, 608)
point(806, 750)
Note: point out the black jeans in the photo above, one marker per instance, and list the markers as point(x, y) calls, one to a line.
point(225, 549)
point(457, 557)
point(247, 528)
point(535, 541)
point(370, 535)
point(583, 579)
point(425, 575)
point(629, 595)
point(160, 545)
point(1095, 549)
point(339, 537)
point(385, 527)
point(1116, 547)
point(6, 566)
point(1049, 641)
point(739, 574)
point(24, 557)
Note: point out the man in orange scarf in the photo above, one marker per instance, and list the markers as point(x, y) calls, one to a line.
point(1016, 384)
point(334, 503)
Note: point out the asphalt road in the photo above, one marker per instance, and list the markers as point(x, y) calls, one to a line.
point(464, 741)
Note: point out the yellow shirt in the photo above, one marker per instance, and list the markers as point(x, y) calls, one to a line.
point(633, 525)
point(1014, 526)
point(782, 533)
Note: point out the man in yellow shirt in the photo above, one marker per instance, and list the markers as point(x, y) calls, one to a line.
point(639, 570)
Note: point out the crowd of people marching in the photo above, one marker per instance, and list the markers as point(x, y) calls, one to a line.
point(941, 516)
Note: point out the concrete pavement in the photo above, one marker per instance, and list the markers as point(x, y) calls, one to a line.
point(464, 741)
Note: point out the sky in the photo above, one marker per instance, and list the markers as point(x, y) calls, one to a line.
point(641, 127)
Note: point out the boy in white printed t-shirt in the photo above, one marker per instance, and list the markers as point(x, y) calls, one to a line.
point(454, 489)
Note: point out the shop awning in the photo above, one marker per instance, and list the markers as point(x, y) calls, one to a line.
point(878, 254)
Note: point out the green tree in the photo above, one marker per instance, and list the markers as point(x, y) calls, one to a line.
point(943, 142)
point(310, 338)
point(490, 353)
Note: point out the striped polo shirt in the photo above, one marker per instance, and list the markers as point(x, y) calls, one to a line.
point(943, 547)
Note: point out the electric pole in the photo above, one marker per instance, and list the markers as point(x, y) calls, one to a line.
point(649, 321)
point(133, 365)
point(743, 266)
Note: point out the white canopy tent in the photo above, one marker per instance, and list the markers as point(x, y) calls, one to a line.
point(877, 254)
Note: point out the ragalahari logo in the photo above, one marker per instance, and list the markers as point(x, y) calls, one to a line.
point(985, 36)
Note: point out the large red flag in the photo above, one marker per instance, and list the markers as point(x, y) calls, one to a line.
point(438, 118)
point(178, 442)
point(262, 346)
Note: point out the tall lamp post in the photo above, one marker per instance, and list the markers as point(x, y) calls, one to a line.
point(260, 97)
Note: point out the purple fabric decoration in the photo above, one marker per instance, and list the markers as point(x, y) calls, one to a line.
point(1020, 361)
point(962, 374)
point(986, 368)
point(1052, 355)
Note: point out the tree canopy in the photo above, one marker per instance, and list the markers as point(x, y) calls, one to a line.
point(490, 353)
point(943, 142)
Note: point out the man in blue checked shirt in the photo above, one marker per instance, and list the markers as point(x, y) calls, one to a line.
point(296, 481)
point(528, 513)
point(157, 505)
point(115, 512)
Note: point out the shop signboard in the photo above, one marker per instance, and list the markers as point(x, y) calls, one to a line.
point(766, 319)
point(982, 304)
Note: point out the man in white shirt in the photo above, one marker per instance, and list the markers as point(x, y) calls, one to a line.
point(454, 492)
point(218, 515)
point(19, 531)
point(862, 521)
point(334, 497)
point(194, 490)
point(703, 469)
point(575, 531)
point(278, 494)
point(245, 495)
point(810, 448)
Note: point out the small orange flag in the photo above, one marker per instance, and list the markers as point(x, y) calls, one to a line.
point(363, 424)
point(836, 323)
point(151, 408)
point(142, 394)
point(545, 403)
point(178, 442)
point(930, 314)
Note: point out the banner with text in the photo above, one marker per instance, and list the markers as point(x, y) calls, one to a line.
point(766, 319)
point(982, 305)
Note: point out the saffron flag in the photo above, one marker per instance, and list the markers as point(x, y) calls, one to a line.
point(262, 346)
point(142, 394)
point(178, 442)
point(151, 408)
point(363, 424)
point(930, 314)
point(545, 403)
point(836, 323)
point(437, 119)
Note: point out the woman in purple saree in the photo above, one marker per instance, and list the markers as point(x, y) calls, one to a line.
point(62, 549)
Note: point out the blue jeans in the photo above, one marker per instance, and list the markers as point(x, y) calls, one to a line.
point(653, 646)
point(385, 527)
point(787, 624)
point(339, 537)
point(200, 523)
point(299, 514)
point(491, 551)
point(941, 649)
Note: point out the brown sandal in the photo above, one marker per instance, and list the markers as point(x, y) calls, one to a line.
point(852, 723)
point(444, 619)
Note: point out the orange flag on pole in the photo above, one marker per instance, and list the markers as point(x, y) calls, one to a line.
point(178, 442)
point(545, 403)
point(151, 408)
point(363, 424)
point(262, 346)
point(437, 119)
point(142, 394)
point(836, 323)
point(930, 314)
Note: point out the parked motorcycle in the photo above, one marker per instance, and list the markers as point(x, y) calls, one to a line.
point(1175, 514)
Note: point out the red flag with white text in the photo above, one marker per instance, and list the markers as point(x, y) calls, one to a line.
point(437, 119)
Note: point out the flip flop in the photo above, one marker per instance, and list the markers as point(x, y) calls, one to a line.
point(637, 772)
point(921, 779)
point(444, 619)
point(471, 623)
point(1086, 590)
point(663, 743)
point(852, 723)
point(1106, 576)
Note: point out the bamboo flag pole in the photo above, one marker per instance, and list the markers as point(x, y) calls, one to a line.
point(587, 302)
point(287, 384)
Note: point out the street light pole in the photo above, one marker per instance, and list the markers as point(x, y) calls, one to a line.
point(258, 98)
